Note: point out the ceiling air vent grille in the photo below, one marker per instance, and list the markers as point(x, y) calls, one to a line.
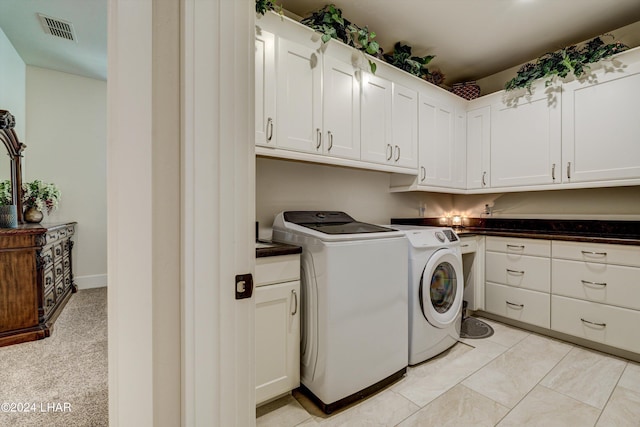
point(57, 27)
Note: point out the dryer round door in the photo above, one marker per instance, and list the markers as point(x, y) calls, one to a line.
point(441, 288)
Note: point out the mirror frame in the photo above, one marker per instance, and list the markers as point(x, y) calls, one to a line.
point(14, 151)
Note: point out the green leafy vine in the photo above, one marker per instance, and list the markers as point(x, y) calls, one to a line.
point(569, 60)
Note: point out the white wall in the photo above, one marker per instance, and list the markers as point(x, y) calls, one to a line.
point(12, 93)
point(66, 145)
point(288, 185)
point(616, 203)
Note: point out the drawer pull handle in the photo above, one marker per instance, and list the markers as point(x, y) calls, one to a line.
point(594, 253)
point(295, 307)
point(586, 282)
point(397, 153)
point(520, 272)
point(423, 171)
point(484, 181)
point(318, 138)
point(515, 305)
point(466, 245)
point(602, 325)
point(520, 247)
point(330, 136)
point(389, 151)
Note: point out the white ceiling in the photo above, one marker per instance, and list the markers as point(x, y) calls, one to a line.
point(87, 57)
point(470, 38)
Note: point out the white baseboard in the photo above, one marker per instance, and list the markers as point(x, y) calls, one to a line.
point(89, 282)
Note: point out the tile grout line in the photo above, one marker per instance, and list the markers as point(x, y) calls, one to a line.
point(611, 394)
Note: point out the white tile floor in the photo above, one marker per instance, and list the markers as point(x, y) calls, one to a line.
point(513, 378)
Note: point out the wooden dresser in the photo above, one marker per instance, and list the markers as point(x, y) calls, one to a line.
point(36, 279)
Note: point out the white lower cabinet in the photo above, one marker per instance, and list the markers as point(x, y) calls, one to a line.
point(587, 290)
point(277, 320)
point(518, 279)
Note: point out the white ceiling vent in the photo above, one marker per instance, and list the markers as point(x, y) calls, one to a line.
point(57, 27)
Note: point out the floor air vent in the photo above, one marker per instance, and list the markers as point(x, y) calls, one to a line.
point(57, 27)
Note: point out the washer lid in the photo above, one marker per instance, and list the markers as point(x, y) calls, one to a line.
point(332, 222)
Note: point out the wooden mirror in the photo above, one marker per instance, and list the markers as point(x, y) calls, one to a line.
point(14, 150)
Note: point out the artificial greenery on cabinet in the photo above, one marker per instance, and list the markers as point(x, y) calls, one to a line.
point(569, 60)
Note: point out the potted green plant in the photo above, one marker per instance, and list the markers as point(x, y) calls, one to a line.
point(38, 196)
point(8, 211)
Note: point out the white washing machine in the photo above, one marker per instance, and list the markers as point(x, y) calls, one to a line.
point(354, 302)
point(436, 290)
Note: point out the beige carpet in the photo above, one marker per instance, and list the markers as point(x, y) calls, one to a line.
point(63, 377)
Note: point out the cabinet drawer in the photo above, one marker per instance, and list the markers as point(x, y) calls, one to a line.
point(604, 283)
point(521, 271)
point(516, 246)
point(597, 252)
point(49, 301)
point(277, 269)
point(49, 279)
point(468, 245)
point(614, 326)
point(519, 304)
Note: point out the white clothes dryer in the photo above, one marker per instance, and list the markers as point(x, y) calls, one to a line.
point(436, 290)
point(353, 304)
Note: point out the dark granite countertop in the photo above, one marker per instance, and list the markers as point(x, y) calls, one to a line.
point(610, 232)
point(266, 249)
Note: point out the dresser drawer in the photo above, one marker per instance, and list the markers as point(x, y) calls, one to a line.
point(519, 304)
point(49, 279)
point(49, 301)
point(597, 253)
point(516, 246)
point(521, 271)
point(604, 283)
point(614, 326)
point(277, 269)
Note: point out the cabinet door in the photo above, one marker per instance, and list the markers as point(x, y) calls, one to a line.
point(375, 121)
point(436, 143)
point(405, 126)
point(299, 97)
point(478, 143)
point(277, 339)
point(525, 141)
point(341, 109)
point(601, 125)
point(460, 150)
point(265, 89)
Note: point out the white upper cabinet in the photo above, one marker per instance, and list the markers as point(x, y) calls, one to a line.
point(478, 147)
point(526, 138)
point(442, 142)
point(601, 124)
point(404, 113)
point(376, 136)
point(341, 103)
point(265, 89)
point(299, 97)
